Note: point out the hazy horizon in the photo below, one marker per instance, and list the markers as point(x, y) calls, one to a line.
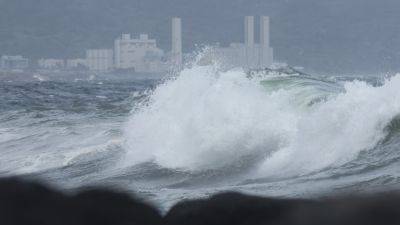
point(341, 36)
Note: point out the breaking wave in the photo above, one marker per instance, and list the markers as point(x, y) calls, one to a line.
point(206, 119)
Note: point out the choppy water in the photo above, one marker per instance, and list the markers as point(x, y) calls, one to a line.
point(205, 131)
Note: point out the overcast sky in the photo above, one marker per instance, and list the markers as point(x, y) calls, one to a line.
point(332, 36)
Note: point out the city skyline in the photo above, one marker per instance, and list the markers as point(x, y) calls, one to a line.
point(143, 55)
point(321, 36)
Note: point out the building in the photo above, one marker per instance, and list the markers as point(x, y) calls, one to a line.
point(101, 60)
point(76, 64)
point(51, 64)
point(176, 51)
point(13, 62)
point(139, 55)
point(248, 55)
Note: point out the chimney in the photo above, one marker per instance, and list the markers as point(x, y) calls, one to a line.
point(177, 41)
point(264, 31)
point(266, 52)
point(249, 31)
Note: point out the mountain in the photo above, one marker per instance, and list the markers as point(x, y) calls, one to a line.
point(332, 36)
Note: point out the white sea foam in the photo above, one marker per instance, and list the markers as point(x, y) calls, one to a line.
point(206, 119)
point(337, 130)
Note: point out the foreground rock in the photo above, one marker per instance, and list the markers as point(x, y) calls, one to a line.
point(29, 203)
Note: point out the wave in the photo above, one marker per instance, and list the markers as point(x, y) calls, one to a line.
point(393, 127)
point(207, 119)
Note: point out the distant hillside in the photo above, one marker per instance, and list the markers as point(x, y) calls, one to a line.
point(321, 35)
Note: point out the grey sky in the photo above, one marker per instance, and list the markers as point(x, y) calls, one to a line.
point(322, 35)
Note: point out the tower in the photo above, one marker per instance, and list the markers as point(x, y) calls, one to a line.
point(250, 56)
point(265, 51)
point(264, 31)
point(176, 41)
point(249, 31)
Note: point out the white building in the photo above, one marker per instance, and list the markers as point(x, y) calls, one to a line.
point(51, 64)
point(99, 59)
point(248, 55)
point(140, 55)
point(13, 62)
point(76, 63)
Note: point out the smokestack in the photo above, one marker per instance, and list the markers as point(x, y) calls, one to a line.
point(264, 31)
point(249, 31)
point(266, 52)
point(177, 41)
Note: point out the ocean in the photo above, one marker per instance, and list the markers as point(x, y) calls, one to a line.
point(204, 131)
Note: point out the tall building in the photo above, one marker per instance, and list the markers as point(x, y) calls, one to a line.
point(99, 59)
point(140, 55)
point(176, 53)
point(13, 62)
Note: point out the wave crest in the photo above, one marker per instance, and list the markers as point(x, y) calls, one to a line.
point(207, 119)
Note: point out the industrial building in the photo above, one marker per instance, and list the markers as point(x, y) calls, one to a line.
point(76, 64)
point(139, 55)
point(248, 55)
point(143, 55)
point(51, 64)
point(101, 60)
point(14, 62)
